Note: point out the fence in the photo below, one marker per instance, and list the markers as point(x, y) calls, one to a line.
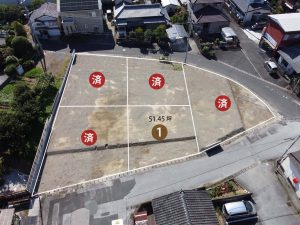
point(42, 147)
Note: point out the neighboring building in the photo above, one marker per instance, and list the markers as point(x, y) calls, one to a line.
point(44, 21)
point(207, 16)
point(291, 169)
point(170, 5)
point(129, 17)
point(119, 3)
point(249, 11)
point(80, 16)
point(289, 60)
point(178, 38)
point(7, 216)
point(282, 30)
point(184, 207)
point(16, 2)
point(292, 5)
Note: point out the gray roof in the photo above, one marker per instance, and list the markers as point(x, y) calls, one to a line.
point(184, 207)
point(47, 9)
point(140, 11)
point(289, 22)
point(6, 216)
point(258, 7)
point(295, 158)
point(209, 14)
point(206, 1)
point(77, 5)
point(176, 31)
point(292, 56)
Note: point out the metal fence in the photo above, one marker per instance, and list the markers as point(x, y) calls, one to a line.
point(42, 147)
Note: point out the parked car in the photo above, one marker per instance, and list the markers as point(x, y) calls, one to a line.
point(271, 67)
point(259, 25)
point(229, 37)
point(236, 212)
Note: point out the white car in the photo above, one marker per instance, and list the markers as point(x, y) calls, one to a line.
point(271, 67)
point(235, 212)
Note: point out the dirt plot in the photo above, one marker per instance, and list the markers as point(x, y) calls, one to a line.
point(78, 90)
point(109, 124)
point(140, 92)
point(104, 110)
point(211, 124)
point(66, 169)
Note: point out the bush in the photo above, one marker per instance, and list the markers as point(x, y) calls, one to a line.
point(28, 65)
point(160, 33)
point(148, 35)
point(11, 60)
point(22, 47)
point(19, 29)
point(8, 40)
point(139, 33)
point(7, 51)
point(131, 34)
point(10, 70)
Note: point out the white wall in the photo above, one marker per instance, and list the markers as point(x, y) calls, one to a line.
point(290, 172)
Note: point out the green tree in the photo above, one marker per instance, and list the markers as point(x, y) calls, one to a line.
point(160, 33)
point(148, 35)
point(19, 29)
point(11, 60)
point(22, 47)
point(37, 3)
point(10, 70)
point(180, 16)
point(139, 32)
point(10, 13)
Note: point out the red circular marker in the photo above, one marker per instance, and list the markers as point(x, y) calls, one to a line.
point(88, 137)
point(156, 81)
point(222, 103)
point(97, 79)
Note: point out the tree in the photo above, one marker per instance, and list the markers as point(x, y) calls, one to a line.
point(160, 33)
point(11, 60)
point(148, 35)
point(10, 70)
point(139, 32)
point(37, 3)
point(10, 13)
point(19, 29)
point(180, 16)
point(22, 47)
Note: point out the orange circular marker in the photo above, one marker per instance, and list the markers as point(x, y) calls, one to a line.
point(97, 79)
point(89, 137)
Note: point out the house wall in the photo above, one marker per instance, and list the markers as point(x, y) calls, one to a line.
point(291, 171)
point(286, 67)
point(84, 21)
point(275, 32)
point(46, 23)
point(213, 27)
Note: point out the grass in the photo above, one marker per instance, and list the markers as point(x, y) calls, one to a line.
point(34, 73)
point(7, 93)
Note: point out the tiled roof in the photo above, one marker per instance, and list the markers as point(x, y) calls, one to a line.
point(184, 208)
point(210, 14)
point(47, 9)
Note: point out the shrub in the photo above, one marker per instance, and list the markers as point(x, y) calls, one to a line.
point(22, 47)
point(7, 51)
point(11, 60)
point(19, 29)
point(160, 33)
point(131, 34)
point(10, 70)
point(139, 33)
point(148, 35)
point(28, 65)
point(8, 40)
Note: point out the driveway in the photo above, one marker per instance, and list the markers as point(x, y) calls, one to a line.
point(272, 202)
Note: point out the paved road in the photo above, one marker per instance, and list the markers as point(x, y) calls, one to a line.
point(116, 199)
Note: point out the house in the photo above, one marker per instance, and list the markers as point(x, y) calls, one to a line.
point(7, 216)
point(80, 16)
point(207, 16)
point(184, 207)
point(119, 3)
point(178, 37)
point(44, 21)
point(292, 5)
point(170, 5)
point(249, 11)
point(291, 169)
point(282, 30)
point(289, 60)
point(146, 16)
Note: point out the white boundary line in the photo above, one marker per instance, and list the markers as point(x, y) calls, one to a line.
point(188, 95)
point(245, 54)
point(118, 106)
point(127, 109)
point(172, 160)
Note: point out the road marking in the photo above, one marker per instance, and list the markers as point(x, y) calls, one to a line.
point(128, 136)
point(243, 51)
point(187, 91)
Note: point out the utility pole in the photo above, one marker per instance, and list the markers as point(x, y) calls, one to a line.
point(189, 33)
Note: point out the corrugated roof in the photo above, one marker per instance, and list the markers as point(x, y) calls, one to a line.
point(292, 56)
point(6, 216)
point(77, 5)
point(46, 9)
point(184, 208)
point(165, 3)
point(176, 31)
point(289, 22)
